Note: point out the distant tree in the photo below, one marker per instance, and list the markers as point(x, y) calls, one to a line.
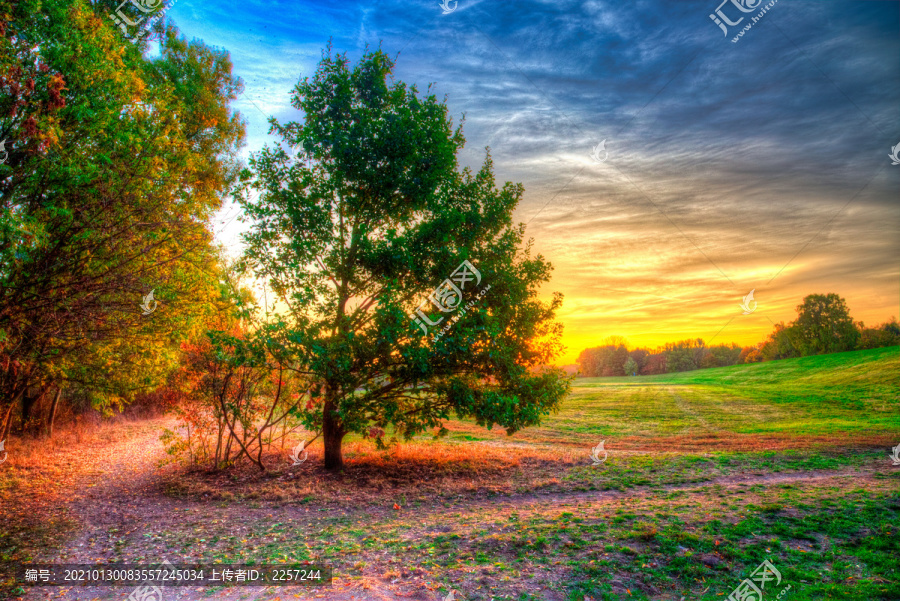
point(615, 341)
point(824, 325)
point(781, 344)
point(721, 355)
point(613, 359)
point(749, 354)
point(589, 363)
point(631, 367)
point(685, 355)
point(709, 360)
point(639, 355)
point(654, 364)
point(754, 356)
point(887, 334)
point(605, 361)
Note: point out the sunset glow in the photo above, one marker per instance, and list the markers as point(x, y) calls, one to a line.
point(760, 165)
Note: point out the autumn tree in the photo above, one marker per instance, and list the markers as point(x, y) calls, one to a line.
point(588, 361)
point(117, 163)
point(355, 236)
point(654, 364)
point(606, 360)
point(639, 356)
point(749, 354)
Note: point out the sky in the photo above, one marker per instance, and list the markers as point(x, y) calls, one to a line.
point(719, 166)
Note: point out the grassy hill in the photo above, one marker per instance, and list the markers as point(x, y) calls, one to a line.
point(793, 402)
point(876, 367)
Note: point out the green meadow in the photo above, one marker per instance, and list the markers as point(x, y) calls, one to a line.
point(705, 475)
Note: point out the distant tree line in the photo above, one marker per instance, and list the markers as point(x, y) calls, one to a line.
point(823, 325)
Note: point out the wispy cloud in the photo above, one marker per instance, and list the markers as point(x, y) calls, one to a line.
point(723, 157)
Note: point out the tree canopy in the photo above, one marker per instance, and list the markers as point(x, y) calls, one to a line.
point(358, 231)
point(824, 325)
point(117, 161)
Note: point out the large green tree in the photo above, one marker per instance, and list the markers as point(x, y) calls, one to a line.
point(117, 162)
point(371, 218)
point(824, 325)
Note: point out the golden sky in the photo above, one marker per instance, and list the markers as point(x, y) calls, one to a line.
point(760, 163)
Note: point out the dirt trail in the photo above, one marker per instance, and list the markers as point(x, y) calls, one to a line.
point(120, 500)
point(122, 497)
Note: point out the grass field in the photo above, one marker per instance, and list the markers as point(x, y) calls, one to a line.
point(709, 473)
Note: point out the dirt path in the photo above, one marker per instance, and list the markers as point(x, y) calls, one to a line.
point(120, 501)
point(120, 498)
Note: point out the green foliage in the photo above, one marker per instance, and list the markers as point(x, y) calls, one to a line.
point(824, 325)
point(640, 356)
point(781, 344)
point(614, 358)
point(631, 367)
point(685, 355)
point(118, 162)
point(606, 360)
point(355, 234)
point(720, 355)
point(887, 334)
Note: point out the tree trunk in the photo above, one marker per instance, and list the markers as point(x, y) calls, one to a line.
point(52, 416)
point(333, 435)
point(9, 414)
point(7, 422)
point(28, 403)
point(219, 443)
point(31, 404)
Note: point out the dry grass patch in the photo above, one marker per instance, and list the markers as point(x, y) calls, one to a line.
point(408, 472)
